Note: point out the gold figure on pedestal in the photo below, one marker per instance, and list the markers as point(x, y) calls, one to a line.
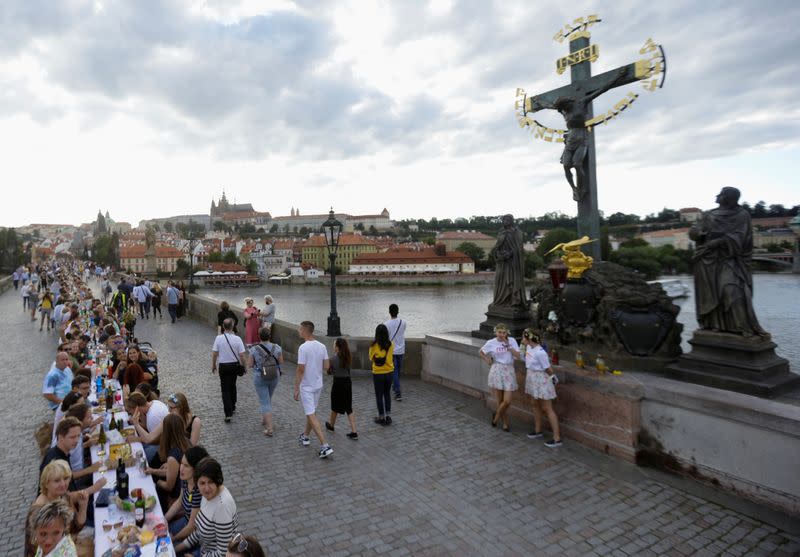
point(577, 262)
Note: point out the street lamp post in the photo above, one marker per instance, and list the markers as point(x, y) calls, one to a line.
point(332, 229)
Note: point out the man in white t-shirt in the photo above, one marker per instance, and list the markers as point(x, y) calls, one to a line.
point(229, 350)
point(397, 334)
point(312, 361)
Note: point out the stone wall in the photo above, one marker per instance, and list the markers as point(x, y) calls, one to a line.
point(600, 412)
point(6, 283)
point(285, 334)
point(740, 443)
point(743, 443)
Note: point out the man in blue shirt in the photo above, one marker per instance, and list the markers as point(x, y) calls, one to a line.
point(172, 301)
point(58, 381)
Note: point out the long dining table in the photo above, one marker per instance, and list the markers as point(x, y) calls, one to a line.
point(110, 520)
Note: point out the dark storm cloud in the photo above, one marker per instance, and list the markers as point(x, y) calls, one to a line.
point(252, 88)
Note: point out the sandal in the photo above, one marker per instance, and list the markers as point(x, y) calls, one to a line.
point(268, 432)
point(507, 429)
point(494, 424)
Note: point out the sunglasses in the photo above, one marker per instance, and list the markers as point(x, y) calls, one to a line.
point(240, 541)
point(173, 399)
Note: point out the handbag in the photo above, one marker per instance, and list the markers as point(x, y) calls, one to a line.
point(380, 361)
point(269, 370)
point(240, 370)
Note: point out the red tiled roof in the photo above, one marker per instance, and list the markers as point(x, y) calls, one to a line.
point(223, 267)
point(771, 222)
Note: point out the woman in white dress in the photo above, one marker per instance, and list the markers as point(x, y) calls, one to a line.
point(540, 384)
point(499, 354)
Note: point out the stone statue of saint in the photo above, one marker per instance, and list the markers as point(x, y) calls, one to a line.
point(150, 238)
point(722, 275)
point(509, 278)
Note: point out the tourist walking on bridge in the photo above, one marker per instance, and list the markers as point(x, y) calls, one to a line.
point(312, 358)
point(266, 359)
point(172, 301)
point(342, 389)
point(229, 350)
point(380, 354)
point(499, 353)
point(539, 383)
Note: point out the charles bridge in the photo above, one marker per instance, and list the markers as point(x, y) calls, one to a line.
point(439, 481)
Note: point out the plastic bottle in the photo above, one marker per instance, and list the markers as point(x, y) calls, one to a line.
point(600, 364)
point(579, 359)
point(139, 510)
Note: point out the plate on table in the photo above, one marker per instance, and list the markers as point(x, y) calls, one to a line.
point(119, 450)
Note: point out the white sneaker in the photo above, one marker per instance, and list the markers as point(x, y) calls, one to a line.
point(304, 441)
point(325, 451)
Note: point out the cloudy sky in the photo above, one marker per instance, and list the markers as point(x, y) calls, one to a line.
point(151, 107)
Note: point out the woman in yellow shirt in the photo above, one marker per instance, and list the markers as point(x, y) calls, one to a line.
point(46, 306)
point(380, 354)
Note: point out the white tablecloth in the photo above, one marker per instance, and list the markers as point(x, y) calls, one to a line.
point(102, 539)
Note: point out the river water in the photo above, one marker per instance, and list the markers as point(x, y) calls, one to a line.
point(436, 309)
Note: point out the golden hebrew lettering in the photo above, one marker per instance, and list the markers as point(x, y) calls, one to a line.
point(649, 46)
point(549, 134)
point(651, 85)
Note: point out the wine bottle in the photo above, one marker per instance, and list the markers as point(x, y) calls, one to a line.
point(109, 399)
point(139, 510)
point(122, 481)
point(112, 424)
point(101, 439)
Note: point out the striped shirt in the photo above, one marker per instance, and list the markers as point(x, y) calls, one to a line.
point(189, 499)
point(215, 525)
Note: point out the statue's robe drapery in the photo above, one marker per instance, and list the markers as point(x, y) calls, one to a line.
point(722, 275)
point(509, 280)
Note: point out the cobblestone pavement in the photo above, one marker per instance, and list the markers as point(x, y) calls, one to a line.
point(439, 481)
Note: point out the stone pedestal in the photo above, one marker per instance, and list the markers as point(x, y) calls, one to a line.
point(517, 319)
point(727, 361)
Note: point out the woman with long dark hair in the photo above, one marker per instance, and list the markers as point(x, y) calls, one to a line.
point(342, 390)
point(134, 371)
point(182, 513)
point(380, 354)
point(172, 444)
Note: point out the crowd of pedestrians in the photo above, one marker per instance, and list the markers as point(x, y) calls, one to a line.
point(201, 512)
